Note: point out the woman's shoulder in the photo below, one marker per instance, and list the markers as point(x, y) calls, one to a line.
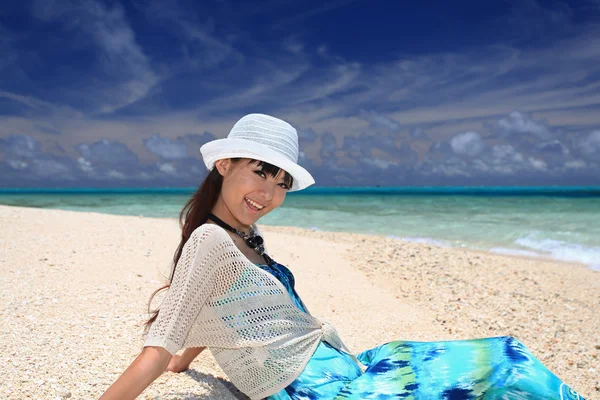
point(209, 233)
point(210, 242)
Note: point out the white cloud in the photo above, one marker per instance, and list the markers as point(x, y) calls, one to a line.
point(443, 93)
point(505, 153)
point(538, 164)
point(40, 107)
point(480, 165)
point(145, 176)
point(416, 90)
point(24, 146)
point(505, 159)
point(323, 7)
point(16, 164)
point(418, 133)
point(553, 147)
point(105, 152)
point(166, 148)
point(116, 174)
point(307, 135)
point(200, 48)
point(378, 120)
point(48, 168)
point(506, 169)
point(167, 168)
point(323, 50)
point(9, 55)
point(85, 165)
point(467, 144)
point(26, 160)
point(590, 144)
point(210, 51)
point(376, 162)
point(122, 57)
point(114, 35)
point(576, 164)
point(451, 170)
point(294, 47)
point(518, 123)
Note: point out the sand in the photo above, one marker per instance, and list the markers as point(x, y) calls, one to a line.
point(75, 286)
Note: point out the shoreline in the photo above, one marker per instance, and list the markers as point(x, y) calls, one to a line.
point(76, 284)
point(540, 257)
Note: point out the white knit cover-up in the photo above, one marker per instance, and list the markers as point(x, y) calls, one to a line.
point(221, 300)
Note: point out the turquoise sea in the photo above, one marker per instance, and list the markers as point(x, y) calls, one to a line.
point(557, 222)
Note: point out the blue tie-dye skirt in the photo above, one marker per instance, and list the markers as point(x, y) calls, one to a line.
point(489, 368)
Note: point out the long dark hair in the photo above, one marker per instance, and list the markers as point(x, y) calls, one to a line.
point(197, 209)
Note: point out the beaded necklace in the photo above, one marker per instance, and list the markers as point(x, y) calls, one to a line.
point(253, 240)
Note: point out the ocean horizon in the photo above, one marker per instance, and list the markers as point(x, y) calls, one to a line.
point(545, 221)
point(593, 191)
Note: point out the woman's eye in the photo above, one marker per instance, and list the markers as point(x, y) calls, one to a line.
point(262, 174)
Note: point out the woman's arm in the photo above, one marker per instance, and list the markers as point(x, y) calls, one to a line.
point(190, 287)
point(144, 370)
point(182, 362)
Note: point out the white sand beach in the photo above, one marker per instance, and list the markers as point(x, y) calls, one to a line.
point(75, 287)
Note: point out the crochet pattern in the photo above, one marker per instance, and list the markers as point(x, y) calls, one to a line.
point(220, 299)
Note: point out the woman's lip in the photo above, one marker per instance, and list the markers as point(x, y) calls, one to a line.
point(255, 202)
point(250, 208)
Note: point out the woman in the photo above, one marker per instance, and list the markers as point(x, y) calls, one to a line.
point(227, 294)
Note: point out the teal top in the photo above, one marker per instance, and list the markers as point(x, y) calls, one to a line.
point(328, 369)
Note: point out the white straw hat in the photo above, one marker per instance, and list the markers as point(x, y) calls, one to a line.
point(261, 137)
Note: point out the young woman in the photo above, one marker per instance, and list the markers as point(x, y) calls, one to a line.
point(227, 294)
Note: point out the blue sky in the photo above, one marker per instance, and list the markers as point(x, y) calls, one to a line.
point(111, 94)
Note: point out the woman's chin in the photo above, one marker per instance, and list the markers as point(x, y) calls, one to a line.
point(248, 219)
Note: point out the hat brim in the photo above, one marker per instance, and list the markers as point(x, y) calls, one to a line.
point(231, 148)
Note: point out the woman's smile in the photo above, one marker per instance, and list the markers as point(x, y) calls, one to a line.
point(253, 206)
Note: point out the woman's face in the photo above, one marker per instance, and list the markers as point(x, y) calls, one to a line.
point(248, 193)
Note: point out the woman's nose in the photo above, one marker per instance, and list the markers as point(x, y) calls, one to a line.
point(267, 191)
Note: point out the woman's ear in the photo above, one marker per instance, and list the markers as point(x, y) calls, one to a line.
point(223, 166)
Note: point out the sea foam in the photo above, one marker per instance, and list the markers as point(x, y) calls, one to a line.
point(416, 239)
point(562, 250)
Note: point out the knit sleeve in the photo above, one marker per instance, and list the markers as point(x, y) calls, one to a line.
point(189, 290)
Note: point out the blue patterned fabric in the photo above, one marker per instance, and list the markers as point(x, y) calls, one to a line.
point(489, 369)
